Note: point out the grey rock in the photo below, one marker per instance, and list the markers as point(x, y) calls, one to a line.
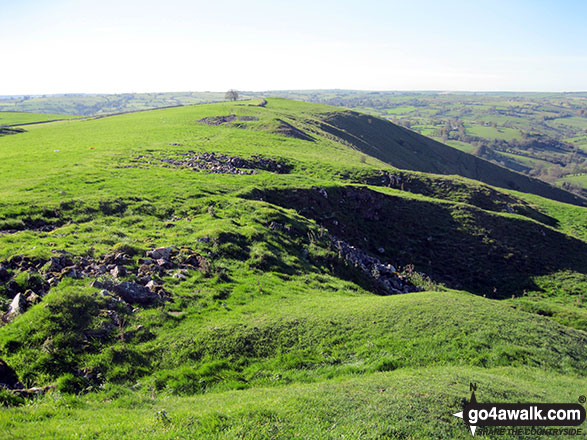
point(17, 306)
point(162, 262)
point(118, 271)
point(31, 297)
point(179, 275)
point(135, 293)
point(97, 284)
point(160, 253)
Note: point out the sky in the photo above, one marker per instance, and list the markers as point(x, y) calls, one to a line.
point(107, 46)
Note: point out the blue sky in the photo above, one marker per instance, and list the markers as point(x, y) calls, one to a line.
point(106, 46)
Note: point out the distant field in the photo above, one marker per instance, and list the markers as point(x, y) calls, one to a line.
point(14, 118)
point(459, 145)
point(580, 179)
point(86, 105)
point(492, 132)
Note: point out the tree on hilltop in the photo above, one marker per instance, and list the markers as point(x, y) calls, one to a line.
point(231, 95)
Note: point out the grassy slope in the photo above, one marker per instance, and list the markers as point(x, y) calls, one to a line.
point(274, 316)
point(405, 149)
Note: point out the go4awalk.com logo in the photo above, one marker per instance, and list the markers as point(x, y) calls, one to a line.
point(519, 419)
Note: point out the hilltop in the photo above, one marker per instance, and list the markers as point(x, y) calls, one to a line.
point(273, 269)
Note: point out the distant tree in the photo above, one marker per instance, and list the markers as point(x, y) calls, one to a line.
point(231, 95)
point(481, 151)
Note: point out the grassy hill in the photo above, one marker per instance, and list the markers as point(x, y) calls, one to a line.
point(261, 270)
point(538, 134)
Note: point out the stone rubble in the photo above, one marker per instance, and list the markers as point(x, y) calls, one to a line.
point(224, 164)
point(116, 273)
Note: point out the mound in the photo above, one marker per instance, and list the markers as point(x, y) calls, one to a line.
point(463, 247)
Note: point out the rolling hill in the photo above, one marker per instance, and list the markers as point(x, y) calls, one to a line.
point(276, 269)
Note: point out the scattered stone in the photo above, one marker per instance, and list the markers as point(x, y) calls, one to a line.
point(52, 282)
point(224, 164)
point(179, 275)
point(152, 286)
point(322, 192)
point(162, 262)
point(32, 392)
point(118, 271)
point(57, 264)
point(218, 120)
point(12, 287)
point(106, 293)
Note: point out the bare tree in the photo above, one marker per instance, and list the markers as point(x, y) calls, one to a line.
point(231, 95)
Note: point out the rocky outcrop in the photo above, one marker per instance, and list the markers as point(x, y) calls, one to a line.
point(384, 274)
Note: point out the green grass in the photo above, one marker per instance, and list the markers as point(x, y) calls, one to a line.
point(467, 148)
point(403, 404)
point(493, 133)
